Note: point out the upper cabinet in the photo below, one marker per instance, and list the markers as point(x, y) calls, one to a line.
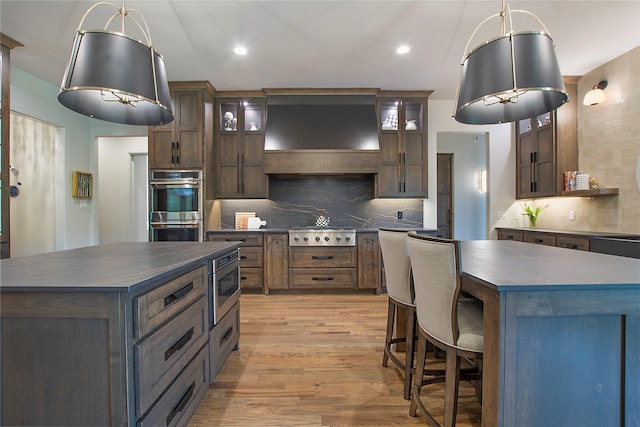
point(188, 139)
point(402, 135)
point(240, 127)
point(546, 147)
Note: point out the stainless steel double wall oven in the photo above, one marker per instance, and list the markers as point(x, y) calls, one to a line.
point(175, 205)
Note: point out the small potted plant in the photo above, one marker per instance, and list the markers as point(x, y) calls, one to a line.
point(532, 212)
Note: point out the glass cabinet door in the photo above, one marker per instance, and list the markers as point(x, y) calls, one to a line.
point(413, 116)
point(389, 115)
point(229, 117)
point(253, 117)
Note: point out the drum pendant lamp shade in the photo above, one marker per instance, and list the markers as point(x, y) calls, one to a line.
point(113, 77)
point(512, 77)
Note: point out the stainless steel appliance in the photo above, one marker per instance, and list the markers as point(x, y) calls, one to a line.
point(175, 205)
point(224, 286)
point(322, 237)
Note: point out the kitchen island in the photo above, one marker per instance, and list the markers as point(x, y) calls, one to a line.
point(561, 334)
point(106, 335)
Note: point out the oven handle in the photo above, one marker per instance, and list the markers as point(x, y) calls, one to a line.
point(161, 185)
point(175, 224)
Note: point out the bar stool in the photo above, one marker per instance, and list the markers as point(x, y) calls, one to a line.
point(449, 322)
point(397, 270)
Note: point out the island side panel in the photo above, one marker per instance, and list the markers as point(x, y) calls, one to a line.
point(51, 344)
point(563, 356)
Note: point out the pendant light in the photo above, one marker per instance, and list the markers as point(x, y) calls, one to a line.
point(115, 77)
point(511, 77)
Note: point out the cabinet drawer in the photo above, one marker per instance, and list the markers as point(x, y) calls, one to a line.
point(510, 235)
point(323, 278)
point(223, 339)
point(573, 242)
point(181, 399)
point(251, 278)
point(251, 257)
point(540, 239)
point(160, 357)
point(245, 239)
point(157, 306)
point(322, 257)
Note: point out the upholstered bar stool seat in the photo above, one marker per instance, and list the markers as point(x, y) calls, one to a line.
point(449, 322)
point(397, 270)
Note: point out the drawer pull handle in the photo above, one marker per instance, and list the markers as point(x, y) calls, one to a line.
point(235, 240)
point(572, 246)
point(322, 257)
point(538, 240)
point(322, 278)
point(182, 403)
point(243, 277)
point(226, 336)
point(243, 257)
point(180, 293)
point(179, 344)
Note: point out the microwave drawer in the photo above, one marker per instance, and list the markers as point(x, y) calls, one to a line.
point(181, 399)
point(223, 339)
point(161, 356)
point(159, 305)
point(323, 278)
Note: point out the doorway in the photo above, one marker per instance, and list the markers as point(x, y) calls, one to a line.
point(463, 211)
point(445, 197)
point(122, 189)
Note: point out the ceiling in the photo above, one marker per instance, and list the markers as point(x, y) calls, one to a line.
point(322, 44)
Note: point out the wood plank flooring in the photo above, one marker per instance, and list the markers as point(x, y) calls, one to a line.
point(315, 360)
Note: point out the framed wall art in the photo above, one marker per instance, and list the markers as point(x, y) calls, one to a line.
point(82, 185)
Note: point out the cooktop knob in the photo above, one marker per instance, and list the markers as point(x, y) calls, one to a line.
point(317, 239)
point(326, 238)
point(338, 238)
point(296, 238)
point(306, 239)
point(348, 238)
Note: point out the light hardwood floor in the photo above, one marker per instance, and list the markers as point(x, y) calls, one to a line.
point(315, 360)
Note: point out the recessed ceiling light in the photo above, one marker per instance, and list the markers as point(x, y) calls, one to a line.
point(402, 49)
point(240, 50)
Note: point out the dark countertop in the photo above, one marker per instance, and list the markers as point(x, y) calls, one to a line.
point(507, 266)
point(113, 267)
point(569, 232)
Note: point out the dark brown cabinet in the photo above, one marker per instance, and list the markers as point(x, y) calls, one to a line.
point(240, 146)
point(546, 147)
point(277, 262)
point(185, 142)
point(550, 238)
point(368, 261)
point(402, 135)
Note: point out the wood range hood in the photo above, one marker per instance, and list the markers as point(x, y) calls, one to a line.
point(321, 134)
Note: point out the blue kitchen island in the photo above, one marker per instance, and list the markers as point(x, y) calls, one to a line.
point(562, 334)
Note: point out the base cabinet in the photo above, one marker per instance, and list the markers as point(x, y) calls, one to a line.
point(251, 256)
point(223, 339)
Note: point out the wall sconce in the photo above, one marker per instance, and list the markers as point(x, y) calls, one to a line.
point(115, 77)
point(595, 95)
point(482, 181)
point(509, 78)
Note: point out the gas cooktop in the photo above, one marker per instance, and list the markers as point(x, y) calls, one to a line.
point(322, 237)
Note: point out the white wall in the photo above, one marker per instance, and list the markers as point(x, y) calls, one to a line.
point(76, 224)
point(115, 167)
point(469, 205)
point(500, 163)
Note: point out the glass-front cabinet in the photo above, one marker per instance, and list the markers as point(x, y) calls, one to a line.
point(402, 134)
point(240, 145)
